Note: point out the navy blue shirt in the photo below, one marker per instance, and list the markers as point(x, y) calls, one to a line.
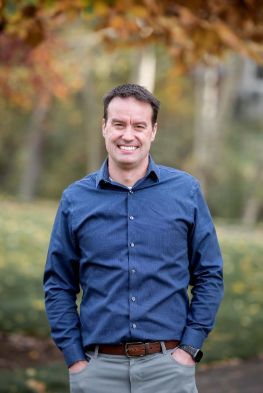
point(134, 252)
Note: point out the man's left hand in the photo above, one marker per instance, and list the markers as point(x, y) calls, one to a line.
point(183, 357)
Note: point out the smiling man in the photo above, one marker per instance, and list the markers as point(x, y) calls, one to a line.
point(134, 236)
point(129, 127)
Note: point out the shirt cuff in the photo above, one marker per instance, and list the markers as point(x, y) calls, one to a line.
point(73, 354)
point(193, 337)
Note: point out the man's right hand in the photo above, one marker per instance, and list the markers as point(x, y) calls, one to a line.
point(78, 366)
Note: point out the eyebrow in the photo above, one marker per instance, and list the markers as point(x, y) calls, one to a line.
point(118, 121)
point(115, 120)
point(140, 123)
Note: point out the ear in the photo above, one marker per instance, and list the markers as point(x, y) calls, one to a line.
point(103, 127)
point(154, 130)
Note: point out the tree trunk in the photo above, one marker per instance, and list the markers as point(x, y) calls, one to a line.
point(251, 211)
point(144, 71)
point(214, 92)
point(33, 149)
point(92, 126)
point(254, 203)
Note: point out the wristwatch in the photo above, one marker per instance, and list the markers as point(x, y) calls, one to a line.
point(196, 354)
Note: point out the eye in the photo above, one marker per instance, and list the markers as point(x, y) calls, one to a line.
point(139, 127)
point(118, 125)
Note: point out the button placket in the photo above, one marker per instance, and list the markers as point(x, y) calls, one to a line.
point(132, 257)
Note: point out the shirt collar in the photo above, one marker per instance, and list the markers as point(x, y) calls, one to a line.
point(103, 173)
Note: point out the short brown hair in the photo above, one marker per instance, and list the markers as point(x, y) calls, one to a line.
point(132, 90)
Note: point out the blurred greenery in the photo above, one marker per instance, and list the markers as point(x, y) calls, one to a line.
point(70, 136)
point(238, 332)
point(49, 379)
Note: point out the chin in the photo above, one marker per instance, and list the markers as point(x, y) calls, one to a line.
point(127, 161)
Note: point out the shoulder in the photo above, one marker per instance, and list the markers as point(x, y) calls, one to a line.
point(178, 178)
point(80, 187)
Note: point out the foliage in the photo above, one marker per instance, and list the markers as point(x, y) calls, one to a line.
point(23, 243)
point(232, 179)
point(192, 29)
point(41, 73)
point(49, 379)
point(239, 322)
point(239, 174)
point(35, 59)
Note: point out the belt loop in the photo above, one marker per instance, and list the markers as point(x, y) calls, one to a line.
point(96, 351)
point(163, 347)
point(146, 346)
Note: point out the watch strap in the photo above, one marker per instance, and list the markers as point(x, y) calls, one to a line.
point(196, 353)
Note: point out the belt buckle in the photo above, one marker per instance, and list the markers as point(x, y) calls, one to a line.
point(133, 343)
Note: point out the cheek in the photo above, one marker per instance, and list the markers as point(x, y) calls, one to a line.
point(110, 140)
point(148, 140)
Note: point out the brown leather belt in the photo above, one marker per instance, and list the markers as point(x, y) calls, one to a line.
point(134, 348)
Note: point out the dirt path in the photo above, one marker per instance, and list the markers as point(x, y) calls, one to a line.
point(232, 377)
point(17, 351)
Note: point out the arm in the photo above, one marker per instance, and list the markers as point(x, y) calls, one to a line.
point(206, 274)
point(61, 285)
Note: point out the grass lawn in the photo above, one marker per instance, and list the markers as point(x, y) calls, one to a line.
point(50, 379)
point(238, 331)
point(24, 235)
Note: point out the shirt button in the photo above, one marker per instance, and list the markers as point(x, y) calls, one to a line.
point(132, 244)
point(134, 326)
point(133, 298)
point(131, 218)
point(131, 191)
point(133, 271)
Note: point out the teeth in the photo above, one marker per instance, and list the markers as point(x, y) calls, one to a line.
point(128, 147)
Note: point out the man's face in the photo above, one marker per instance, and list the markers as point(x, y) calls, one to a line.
point(128, 132)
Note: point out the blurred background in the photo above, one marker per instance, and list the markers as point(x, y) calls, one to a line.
point(204, 62)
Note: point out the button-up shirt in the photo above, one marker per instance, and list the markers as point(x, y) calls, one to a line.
point(134, 252)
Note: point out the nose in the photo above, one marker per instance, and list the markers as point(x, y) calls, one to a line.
point(127, 134)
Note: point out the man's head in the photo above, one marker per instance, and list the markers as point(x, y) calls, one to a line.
point(129, 126)
point(135, 91)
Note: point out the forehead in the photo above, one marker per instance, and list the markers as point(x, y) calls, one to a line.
point(130, 108)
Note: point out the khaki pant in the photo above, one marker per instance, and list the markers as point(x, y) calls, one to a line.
point(120, 374)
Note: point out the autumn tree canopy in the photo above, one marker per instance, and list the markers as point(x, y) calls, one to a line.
point(193, 31)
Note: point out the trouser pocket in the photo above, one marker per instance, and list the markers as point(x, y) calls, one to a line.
point(78, 381)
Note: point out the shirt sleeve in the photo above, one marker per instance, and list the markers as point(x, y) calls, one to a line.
point(206, 274)
point(61, 285)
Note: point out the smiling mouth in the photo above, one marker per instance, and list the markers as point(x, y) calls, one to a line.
point(128, 148)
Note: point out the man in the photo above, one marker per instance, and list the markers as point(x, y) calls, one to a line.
point(133, 236)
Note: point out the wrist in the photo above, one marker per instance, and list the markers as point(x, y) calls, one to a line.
point(183, 357)
point(195, 353)
point(77, 366)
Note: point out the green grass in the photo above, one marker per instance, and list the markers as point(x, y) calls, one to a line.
point(238, 331)
point(24, 235)
point(50, 379)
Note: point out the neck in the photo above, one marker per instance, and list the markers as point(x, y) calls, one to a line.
point(127, 176)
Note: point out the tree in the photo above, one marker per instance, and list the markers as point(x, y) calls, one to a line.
point(191, 29)
point(39, 58)
point(31, 79)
